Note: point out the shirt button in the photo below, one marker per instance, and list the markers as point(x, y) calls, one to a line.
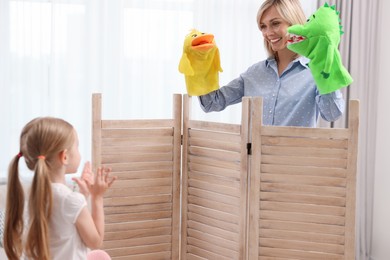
point(270, 111)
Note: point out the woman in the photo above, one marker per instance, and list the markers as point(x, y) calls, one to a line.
point(283, 80)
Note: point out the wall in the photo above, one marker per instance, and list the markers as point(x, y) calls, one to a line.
point(381, 217)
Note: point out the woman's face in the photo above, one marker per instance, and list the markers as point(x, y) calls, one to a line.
point(274, 29)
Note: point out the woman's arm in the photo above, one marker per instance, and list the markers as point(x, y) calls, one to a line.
point(331, 105)
point(219, 99)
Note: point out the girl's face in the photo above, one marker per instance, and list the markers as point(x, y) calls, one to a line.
point(74, 156)
point(274, 29)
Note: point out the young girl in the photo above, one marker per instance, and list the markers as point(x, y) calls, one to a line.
point(60, 225)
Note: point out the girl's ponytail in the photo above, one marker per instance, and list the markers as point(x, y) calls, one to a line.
point(13, 230)
point(40, 210)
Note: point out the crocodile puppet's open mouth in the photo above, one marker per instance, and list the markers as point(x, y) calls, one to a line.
point(295, 39)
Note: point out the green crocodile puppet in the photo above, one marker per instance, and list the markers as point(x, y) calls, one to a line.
point(318, 40)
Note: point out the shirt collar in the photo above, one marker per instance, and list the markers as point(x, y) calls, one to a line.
point(301, 59)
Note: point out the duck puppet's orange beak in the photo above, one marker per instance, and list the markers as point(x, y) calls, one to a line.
point(203, 42)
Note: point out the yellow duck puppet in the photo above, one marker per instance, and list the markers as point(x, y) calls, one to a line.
point(200, 63)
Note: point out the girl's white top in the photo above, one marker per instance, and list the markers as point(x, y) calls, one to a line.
point(65, 242)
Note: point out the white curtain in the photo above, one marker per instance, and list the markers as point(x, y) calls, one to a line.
point(56, 53)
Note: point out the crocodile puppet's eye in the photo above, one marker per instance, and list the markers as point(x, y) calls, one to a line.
point(194, 35)
point(314, 17)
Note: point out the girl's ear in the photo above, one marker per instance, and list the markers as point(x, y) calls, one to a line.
point(64, 157)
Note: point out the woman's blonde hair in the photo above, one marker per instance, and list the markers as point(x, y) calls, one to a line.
point(290, 10)
point(41, 142)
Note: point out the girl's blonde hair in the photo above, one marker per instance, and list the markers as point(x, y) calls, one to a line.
point(41, 142)
point(290, 10)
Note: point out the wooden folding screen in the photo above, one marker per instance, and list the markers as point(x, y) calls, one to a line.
point(214, 187)
point(302, 190)
point(248, 191)
point(143, 206)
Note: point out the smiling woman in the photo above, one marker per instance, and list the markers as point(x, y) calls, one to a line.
point(291, 97)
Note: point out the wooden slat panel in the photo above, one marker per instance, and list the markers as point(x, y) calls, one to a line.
point(301, 245)
point(213, 196)
point(213, 205)
point(302, 217)
point(303, 189)
point(136, 132)
point(304, 161)
point(135, 250)
point(304, 170)
point(218, 145)
point(137, 149)
point(137, 241)
point(142, 183)
point(215, 171)
point(302, 198)
point(213, 248)
point(304, 208)
point(143, 224)
point(125, 192)
point(139, 166)
point(305, 142)
point(295, 254)
point(231, 218)
point(141, 141)
point(213, 126)
point(302, 227)
point(195, 257)
point(142, 207)
point(118, 158)
point(215, 154)
point(304, 180)
point(213, 239)
point(214, 135)
point(316, 133)
point(205, 254)
point(304, 151)
point(149, 256)
point(231, 236)
point(135, 200)
point(132, 175)
point(214, 187)
point(215, 179)
point(300, 191)
point(143, 123)
point(137, 233)
point(224, 164)
point(302, 236)
point(108, 210)
point(142, 216)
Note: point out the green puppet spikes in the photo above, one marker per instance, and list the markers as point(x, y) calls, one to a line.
point(318, 40)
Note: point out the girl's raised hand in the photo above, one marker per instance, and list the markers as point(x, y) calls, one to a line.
point(86, 179)
point(102, 182)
